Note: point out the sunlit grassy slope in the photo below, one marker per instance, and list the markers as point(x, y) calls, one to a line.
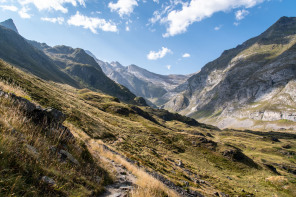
point(192, 155)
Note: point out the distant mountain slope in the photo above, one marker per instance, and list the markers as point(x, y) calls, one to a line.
point(81, 66)
point(246, 86)
point(15, 49)
point(60, 64)
point(154, 87)
point(9, 24)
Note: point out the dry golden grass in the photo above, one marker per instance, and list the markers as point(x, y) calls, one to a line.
point(148, 186)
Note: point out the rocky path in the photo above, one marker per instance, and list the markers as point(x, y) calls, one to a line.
point(125, 181)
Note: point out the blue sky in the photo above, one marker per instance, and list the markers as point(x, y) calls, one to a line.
point(165, 37)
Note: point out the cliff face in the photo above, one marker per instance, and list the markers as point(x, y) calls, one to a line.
point(252, 83)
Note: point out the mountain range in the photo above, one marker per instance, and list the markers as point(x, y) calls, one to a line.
point(246, 87)
point(155, 88)
point(67, 129)
point(60, 64)
point(250, 86)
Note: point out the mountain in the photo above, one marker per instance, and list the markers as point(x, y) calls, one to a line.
point(248, 86)
point(16, 50)
point(60, 64)
point(156, 89)
point(9, 24)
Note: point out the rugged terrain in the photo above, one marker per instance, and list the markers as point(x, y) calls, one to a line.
point(63, 140)
point(156, 89)
point(250, 86)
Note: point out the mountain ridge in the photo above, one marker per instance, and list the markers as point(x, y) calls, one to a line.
point(155, 88)
point(229, 83)
point(60, 64)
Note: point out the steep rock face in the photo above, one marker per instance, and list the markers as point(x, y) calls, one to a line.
point(157, 89)
point(252, 81)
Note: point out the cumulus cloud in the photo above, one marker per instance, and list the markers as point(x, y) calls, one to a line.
point(169, 67)
point(24, 12)
point(123, 7)
point(9, 7)
point(158, 55)
point(179, 20)
point(59, 20)
point(241, 14)
point(57, 5)
point(92, 23)
point(186, 55)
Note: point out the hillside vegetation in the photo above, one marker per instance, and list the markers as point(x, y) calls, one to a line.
point(181, 154)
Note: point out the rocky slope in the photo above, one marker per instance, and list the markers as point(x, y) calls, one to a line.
point(248, 86)
point(155, 88)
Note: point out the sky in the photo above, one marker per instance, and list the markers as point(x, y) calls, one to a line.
point(165, 37)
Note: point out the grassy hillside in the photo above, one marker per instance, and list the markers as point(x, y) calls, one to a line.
point(193, 156)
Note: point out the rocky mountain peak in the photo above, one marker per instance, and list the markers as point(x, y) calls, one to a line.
point(285, 26)
point(9, 24)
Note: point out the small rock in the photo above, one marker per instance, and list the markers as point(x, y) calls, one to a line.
point(186, 184)
point(179, 163)
point(67, 155)
point(228, 177)
point(287, 146)
point(274, 139)
point(221, 194)
point(53, 149)
point(32, 150)
point(209, 135)
point(216, 193)
point(98, 179)
point(243, 190)
point(48, 181)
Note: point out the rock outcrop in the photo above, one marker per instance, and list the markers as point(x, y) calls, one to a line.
point(50, 119)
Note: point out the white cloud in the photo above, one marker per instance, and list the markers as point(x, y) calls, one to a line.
point(156, 1)
point(57, 5)
point(9, 7)
point(158, 55)
point(92, 23)
point(24, 12)
point(59, 20)
point(217, 28)
point(169, 67)
point(127, 28)
point(241, 14)
point(179, 20)
point(186, 55)
point(236, 23)
point(123, 7)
